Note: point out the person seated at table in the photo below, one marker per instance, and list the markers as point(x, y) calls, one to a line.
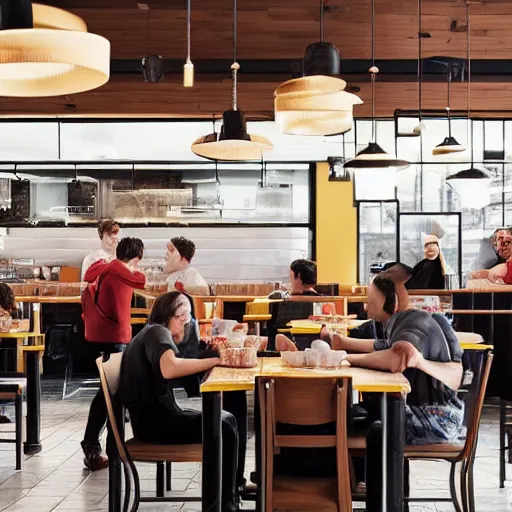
point(422, 352)
point(429, 273)
point(106, 306)
point(399, 274)
point(7, 305)
point(150, 364)
point(303, 278)
point(182, 276)
point(494, 250)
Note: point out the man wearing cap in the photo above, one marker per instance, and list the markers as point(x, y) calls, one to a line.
point(182, 276)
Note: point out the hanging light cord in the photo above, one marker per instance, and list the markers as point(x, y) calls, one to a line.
point(449, 69)
point(235, 66)
point(189, 15)
point(321, 21)
point(420, 63)
point(468, 44)
point(373, 72)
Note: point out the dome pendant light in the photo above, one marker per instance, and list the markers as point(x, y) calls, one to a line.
point(46, 51)
point(233, 143)
point(188, 67)
point(316, 104)
point(449, 144)
point(373, 156)
point(471, 185)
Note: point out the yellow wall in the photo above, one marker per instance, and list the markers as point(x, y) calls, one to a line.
point(336, 229)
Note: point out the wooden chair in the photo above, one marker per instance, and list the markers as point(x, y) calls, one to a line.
point(304, 402)
point(12, 385)
point(451, 452)
point(137, 451)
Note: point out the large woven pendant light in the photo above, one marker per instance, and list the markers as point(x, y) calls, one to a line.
point(471, 185)
point(373, 156)
point(45, 51)
point(233, 143)
point(316, 104)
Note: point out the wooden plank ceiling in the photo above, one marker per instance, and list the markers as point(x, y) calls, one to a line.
point(278, 29)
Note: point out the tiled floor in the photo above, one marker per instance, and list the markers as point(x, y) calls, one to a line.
point(55, 479)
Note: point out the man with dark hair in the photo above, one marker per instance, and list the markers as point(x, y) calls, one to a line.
point(150, 364)
point(182, 276)
point(108, 231)
point(106, 306)
point(303, 277)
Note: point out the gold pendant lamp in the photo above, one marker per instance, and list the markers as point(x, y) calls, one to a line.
point(316, 104)
point(233, 143)
point(46, 51)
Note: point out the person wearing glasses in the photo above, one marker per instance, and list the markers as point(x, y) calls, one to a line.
point(150, 365)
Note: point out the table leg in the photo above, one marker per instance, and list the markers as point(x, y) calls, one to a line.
point(384, 419)
point(212, 452)
point(395, 454)
point(33, 444)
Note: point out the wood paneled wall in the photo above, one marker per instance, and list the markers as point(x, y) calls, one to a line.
point(130, 95)
point(283, 28)
point(278, 29)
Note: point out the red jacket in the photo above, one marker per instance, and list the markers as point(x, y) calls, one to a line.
point(106, 311)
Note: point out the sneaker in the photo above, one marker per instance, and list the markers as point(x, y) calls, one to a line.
point(94, 459)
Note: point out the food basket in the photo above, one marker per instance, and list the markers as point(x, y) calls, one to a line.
point(311, 358)
point(238, 351)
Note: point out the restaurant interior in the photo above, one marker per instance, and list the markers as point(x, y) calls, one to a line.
point(308, 175)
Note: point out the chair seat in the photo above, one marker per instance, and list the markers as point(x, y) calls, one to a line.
point(152, 452)
point(420, 451)
point(299, 493)
point(433, 451)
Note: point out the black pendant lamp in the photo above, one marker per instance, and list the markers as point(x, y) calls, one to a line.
point(471, 185)
point(449, 144)
point(233, 143)
point(373, 156)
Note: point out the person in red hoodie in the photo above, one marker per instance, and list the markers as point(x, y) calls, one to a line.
point(106, 306)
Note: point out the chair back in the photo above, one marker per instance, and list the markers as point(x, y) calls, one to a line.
point(110, 376)
point(304, 402)
point(475, 404)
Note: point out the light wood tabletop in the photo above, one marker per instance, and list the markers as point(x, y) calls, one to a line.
point(231, 379)
point(363, 380)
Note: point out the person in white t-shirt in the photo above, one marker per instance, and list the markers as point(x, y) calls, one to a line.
point(182, 276)
point(108, 231)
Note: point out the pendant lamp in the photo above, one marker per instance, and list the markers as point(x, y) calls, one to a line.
point(449, 144)
point(373, 156)
point(45, 51)
point(188, 67)
point(233, 143)
point(471, 185)
point(316, 104)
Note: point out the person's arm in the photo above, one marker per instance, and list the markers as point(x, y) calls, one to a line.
point(173, 367)
point(351, 344)
point(403, 355)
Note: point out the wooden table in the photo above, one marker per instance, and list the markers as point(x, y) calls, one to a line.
point(229, 379)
